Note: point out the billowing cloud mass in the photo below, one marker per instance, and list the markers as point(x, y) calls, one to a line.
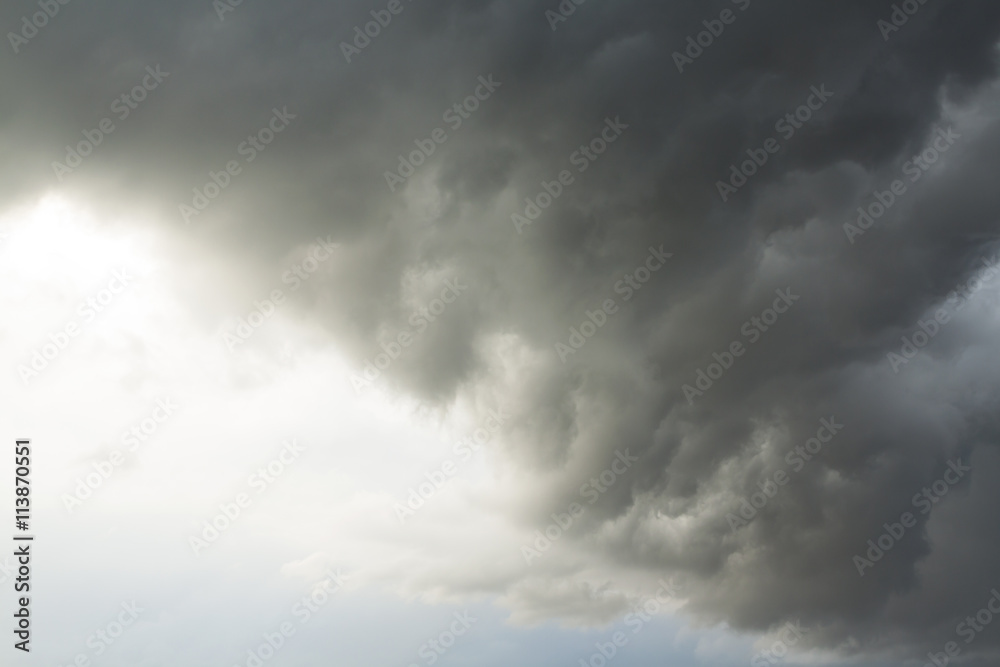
point(741, 254)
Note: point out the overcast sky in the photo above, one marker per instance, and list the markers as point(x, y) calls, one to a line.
point(502, 328)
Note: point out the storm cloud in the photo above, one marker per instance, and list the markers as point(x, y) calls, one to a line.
point(702, 233)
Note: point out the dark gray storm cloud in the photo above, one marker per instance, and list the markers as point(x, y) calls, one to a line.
point(611, 67)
